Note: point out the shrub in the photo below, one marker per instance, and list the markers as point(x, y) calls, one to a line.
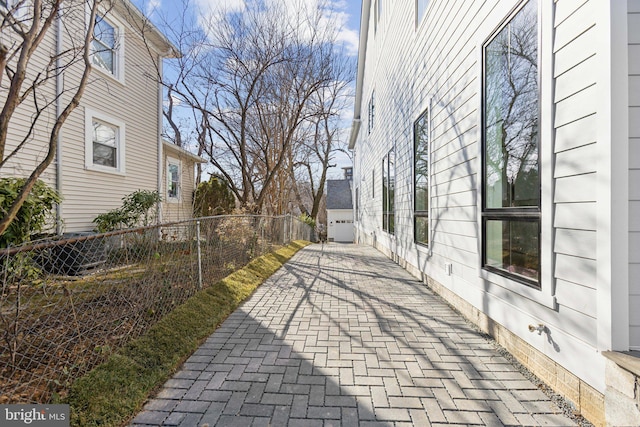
point(213, 197)
point(308, 219)
point(138, 209)
point(34, 216)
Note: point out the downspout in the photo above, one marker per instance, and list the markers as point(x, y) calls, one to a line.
point(59, 90)
point(160, 148)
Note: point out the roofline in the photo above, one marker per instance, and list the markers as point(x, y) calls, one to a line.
point(362, 55)
point(157, 39)
point(182, 152)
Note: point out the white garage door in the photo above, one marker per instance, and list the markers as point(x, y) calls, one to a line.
point(341, 230)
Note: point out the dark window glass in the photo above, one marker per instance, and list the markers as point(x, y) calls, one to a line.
point(388, 190)
point(511, 182)
point(371, 113)
point(421, 179)
point(385, 193)
point(514, 246)
point(373, 183)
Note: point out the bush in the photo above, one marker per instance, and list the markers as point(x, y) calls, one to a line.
point(138, 209)
point(35, 214)
point(213, 197)
point(307, 219)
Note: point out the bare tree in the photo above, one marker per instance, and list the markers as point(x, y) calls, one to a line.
point(27, 28)
point(318, 153)
point(253, 80)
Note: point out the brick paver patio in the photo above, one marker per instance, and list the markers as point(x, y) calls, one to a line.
point(342, 336)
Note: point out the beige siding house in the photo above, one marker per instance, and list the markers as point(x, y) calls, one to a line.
point(111, 145)
point(496, 157)
point(178, 182)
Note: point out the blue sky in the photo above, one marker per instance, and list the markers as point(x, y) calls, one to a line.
point(346, 12)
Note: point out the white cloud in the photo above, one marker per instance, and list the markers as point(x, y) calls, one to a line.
point(211, 10)
point(334, 15)
point(350, 39)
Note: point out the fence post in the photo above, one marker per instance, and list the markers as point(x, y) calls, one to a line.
point(290, 227)
point(199, 255)
point(284, 230)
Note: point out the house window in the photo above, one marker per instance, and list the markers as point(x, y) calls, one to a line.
point(105, 144)
point(511, 182)
point(106, 47)
point(421, 179)
point(388, 190)
point(104, 148)
point(421, 8)
point(373, 183)
point(377, 14)
point(173, 179)
point(371, 112)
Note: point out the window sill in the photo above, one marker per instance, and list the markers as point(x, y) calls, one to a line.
point(504, 288)
point(109, 75)
point(105, 169)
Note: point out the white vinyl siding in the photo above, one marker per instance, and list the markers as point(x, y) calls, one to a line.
point(576, 151)
point(440, 66)
point(634, 172)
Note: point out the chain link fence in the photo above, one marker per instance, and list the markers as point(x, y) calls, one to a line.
point(68, 303)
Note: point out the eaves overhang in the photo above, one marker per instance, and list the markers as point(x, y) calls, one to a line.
point(156, 39)
point(362, 55)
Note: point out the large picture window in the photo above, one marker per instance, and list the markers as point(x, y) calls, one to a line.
point(511, 181)
point(388, 190)
point(421, 179)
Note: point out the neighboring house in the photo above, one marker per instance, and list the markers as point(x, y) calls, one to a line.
point(179, 182)
point(111, 145)
point(497, 157)
point(340, 209)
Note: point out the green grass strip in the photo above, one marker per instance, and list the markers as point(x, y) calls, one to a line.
point(115, 391)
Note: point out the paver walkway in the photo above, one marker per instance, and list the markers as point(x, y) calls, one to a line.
point(342, 336)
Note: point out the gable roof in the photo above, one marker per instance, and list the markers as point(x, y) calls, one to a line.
point(339, 194)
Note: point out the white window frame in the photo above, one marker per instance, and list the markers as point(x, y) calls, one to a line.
point(21, 13)
point(176, 162)
point(118, 67)
point(90, 117)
